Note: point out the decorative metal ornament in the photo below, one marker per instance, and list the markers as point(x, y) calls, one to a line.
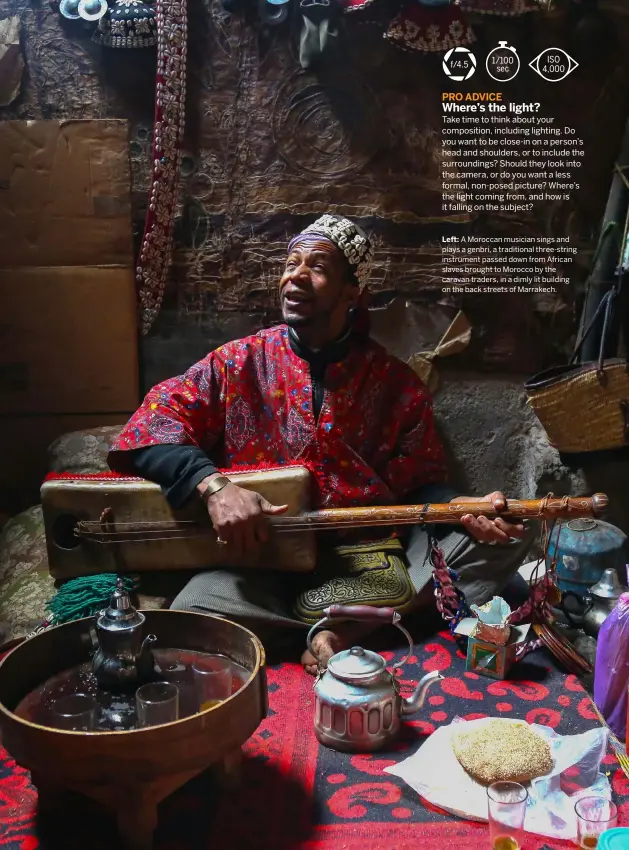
point(92, 10)
point(128, 23)
point(273, 12)
point(69, 9)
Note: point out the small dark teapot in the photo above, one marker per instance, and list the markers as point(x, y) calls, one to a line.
point(123, 659)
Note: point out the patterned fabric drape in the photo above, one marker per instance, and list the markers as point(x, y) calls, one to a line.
point(170, 98)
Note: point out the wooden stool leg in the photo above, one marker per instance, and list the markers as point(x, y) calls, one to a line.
point(228, 771)
point(137, 822)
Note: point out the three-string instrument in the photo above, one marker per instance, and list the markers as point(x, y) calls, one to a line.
point(103, 524)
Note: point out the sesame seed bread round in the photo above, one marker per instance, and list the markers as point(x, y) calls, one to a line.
point(502, 752)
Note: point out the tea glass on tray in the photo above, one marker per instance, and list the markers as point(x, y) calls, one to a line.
point(212, 680)
point(156, 703)
point(75, 713)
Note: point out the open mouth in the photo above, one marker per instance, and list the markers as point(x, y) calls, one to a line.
point(295, 299)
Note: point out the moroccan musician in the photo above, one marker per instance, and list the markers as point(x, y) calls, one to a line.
point(314, 391)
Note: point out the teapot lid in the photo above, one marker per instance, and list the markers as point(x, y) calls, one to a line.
point(356, 663)
point(609, 586)
point(121, 614)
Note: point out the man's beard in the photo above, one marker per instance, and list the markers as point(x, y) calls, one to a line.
point(300, 321)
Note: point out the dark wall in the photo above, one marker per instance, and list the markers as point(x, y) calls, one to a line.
point(269, 147)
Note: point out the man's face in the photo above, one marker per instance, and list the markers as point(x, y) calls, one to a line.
point(316, 289)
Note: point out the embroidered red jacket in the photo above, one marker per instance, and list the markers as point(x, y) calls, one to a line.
point(249, 403)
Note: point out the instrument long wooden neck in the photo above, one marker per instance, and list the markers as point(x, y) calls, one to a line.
point(548, 508)
point(452, 512)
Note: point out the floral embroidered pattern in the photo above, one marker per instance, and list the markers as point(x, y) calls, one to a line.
point(164, 429)
point(429, 30)
point(506, 8)
point(240, 423)
point(296, 433)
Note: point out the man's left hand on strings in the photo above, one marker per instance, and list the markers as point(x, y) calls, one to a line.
point(492, 531)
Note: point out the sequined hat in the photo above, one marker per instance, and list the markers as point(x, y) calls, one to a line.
point(348, 238)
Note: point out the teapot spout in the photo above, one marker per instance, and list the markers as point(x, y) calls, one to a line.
point(416, 701)
point(146, 643)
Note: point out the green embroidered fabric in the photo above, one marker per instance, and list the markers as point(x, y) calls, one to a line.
point(358, 574)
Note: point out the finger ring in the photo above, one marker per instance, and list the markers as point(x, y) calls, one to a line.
point(221, 542)
point(493, 543)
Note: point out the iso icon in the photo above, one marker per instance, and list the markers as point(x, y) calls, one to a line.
point(553, 64)
point(459, 64)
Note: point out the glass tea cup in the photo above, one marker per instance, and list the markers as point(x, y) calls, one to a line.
point(75, 713)
point(157, 703)
point(507, 807)
point(212, 676)
point(595, 815)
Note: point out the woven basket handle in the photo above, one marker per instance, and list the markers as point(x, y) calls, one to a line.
point(606, 305)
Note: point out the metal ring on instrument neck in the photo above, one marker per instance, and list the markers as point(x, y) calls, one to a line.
point(327, 620)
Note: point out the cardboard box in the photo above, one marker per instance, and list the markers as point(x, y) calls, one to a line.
point(65, 194)
point(68, 341)
point(68, 331)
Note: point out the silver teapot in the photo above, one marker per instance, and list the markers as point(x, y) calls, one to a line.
point(599, 602)
point(123, 658)
point(358, 707)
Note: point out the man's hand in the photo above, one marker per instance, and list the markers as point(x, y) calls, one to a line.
point(487, 530)
point(239, 517)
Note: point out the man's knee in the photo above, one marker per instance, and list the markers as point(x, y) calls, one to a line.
point(196, 595)
point(489, 569)
point(524, 546)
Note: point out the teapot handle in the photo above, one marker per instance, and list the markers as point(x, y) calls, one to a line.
point(362, 613)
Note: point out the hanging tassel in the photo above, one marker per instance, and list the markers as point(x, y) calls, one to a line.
point(451, 602)
point(85, 596)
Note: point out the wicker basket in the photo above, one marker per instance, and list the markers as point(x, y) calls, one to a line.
point(584, 407)
point(583, 410)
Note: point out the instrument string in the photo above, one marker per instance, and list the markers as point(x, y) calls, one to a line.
point(110, 531)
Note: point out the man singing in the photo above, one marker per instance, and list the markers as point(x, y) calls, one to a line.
point(315, 391)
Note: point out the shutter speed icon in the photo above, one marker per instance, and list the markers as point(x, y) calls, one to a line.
point(503, 63)
point(553, 64)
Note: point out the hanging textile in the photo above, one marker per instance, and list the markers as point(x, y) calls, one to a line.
point(170, 96)
point(128, 23)
point(505, 8)
point(429, 28)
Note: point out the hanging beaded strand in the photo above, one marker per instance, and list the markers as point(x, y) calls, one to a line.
point(170, 98)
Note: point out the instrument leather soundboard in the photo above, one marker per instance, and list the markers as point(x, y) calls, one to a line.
point(66, 502)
